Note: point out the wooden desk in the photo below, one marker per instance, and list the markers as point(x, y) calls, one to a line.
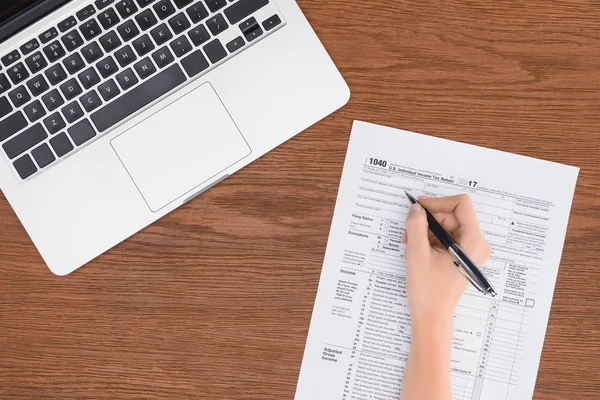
point(214, 301)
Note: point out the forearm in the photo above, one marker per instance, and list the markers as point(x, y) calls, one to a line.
point(427, 374)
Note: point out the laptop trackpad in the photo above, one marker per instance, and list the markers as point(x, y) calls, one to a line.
point(181, 147)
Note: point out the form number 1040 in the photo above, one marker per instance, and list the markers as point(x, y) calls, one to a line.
point(377, 162)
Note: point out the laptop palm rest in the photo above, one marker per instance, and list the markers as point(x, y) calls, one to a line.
point(179, 149)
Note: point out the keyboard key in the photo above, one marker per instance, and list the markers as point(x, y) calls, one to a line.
point(110, 41)
point(89, 78)
point(243, 9)
point(19, 96)
point(30, 46)
point(182, 3)
point(4, 84)
point(54, 51)
point(197, 12)
point(90, 101)
point(215, 51)
point(67, 24)
point(11, 57)
point(126, 8)
point(70, 89)
point(56, 74)
point(53, 100)
point(138, 97)
point(248, 25)
point(90, 29)
point(143, 45)
point(43, 155)
point(108, 18)
point(24, 141)
point(37, 85)
point(73, 63)
point(199, 35)
point(34, 110)
point(36, 62)
point(216, 5)
point(92, 52)
point(107, 67)
point(144, 3)
point(161, 34)
point(54, 123)
point(72, 40)
point(253, 34)
point(72, 112)
point(271, 22)
point(181, 46)
point(164, 8)
point(179, 23)
point(125, 56)
point(48, 35)
point(128, 30)
point(17, 73)
point(163, 57)
point(5, 107)
point(194, 63)
point(217, 24)
point(12, 125)
point(25, 167)
point(127, 79)
point(81, 132)
point(86, 12)
point(61, 144)
point(102, 4)
point(109, 90)
point(145, 68)
point(236, 44)
point(146, 19)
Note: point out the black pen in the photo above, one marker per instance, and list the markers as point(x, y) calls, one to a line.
point(464, 264)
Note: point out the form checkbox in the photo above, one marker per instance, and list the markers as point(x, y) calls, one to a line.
point(529, 303)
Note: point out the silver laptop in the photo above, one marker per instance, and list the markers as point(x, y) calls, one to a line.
point(114, 113)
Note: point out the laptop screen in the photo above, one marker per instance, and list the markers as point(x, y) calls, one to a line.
point(16, 15)
point(9, 9)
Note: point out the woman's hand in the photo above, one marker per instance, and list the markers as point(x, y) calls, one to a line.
point(434, 288)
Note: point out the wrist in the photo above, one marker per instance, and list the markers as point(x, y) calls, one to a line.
point(432, 331)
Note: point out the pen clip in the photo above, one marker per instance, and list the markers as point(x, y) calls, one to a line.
point(463, 272)
point(471, 272)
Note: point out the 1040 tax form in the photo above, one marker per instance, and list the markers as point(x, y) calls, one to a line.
point(359, 338)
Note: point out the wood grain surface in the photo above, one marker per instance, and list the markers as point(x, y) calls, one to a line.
point(214, 300)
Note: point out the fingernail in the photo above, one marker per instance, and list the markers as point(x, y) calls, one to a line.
point(414, 207)
point(424, 197)
point(404, 238)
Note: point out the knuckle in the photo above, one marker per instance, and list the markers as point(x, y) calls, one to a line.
point(465, 198)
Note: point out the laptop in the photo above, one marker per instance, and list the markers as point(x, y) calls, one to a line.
point(114, 113)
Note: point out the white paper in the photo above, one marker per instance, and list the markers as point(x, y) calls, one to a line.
point(359, 337)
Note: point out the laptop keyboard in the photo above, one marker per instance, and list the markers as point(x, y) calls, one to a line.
point(77, 80)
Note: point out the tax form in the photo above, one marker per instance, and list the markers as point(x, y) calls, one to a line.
point(359, 337)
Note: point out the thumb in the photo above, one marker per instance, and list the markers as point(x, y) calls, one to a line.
point(417, 239)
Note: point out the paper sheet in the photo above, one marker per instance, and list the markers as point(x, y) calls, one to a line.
point(359, 337)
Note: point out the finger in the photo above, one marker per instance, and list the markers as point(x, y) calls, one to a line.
point(461, 206)
point(417, 240)
point(448, 221)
